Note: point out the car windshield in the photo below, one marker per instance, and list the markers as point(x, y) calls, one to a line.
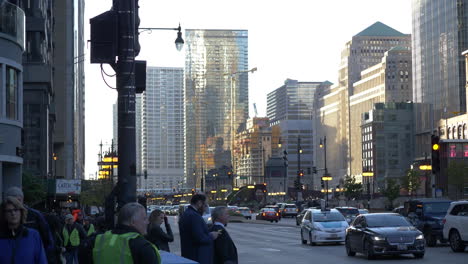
point(386, 221)
point(327, 217)
point(348, 211)
point(291, 206)
point(268, 210)
point(436, 208)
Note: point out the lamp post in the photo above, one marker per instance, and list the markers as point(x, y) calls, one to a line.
point(55, 165)
point(367, 175)
point(326, 177)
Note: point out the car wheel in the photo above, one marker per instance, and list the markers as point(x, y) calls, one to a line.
point(276, 221)
point(271, 221)
point(368, 252)
point(418, 255)
point(455, 241)
point(349, 252)
point(302, 239)
point(431, 240)
point(310, 239)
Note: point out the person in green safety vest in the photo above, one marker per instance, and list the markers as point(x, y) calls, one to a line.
point(88, 226)
point(73, 234)
point(125, 243)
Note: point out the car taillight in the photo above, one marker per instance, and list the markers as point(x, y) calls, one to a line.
point(277, 214)
point(297, 210)
point(263, 214)
point(443, 221)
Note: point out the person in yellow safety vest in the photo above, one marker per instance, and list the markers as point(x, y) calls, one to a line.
point(125, 244)
point(73, 233)
point(88, 227)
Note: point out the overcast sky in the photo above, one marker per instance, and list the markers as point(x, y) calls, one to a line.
point(296, 39)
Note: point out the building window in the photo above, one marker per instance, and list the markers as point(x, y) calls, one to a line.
point(11, 93)
point(465, 132)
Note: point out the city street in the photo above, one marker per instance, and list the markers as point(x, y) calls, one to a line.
point(263, 242)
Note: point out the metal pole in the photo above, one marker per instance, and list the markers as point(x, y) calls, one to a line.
point(125, 71)
point(325, 153)
point(326, 195)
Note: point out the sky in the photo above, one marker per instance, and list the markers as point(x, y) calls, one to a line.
point(295, 39)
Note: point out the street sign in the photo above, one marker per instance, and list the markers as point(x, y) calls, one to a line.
point(63, 186)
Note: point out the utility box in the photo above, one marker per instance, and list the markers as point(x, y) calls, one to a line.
point(104, 37)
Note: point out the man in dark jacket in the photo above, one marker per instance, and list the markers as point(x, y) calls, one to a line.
point(132, 223)
point(195, 240)
point(225, 252)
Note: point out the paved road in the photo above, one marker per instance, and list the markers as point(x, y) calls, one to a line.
point(261, 242)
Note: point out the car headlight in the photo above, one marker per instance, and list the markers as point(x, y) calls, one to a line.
point(378, 238)
point(419, 237)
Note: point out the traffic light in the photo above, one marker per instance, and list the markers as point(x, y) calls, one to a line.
point(193, 191)
point(285, 158)
point(297, 185)
point(229, 174)
point(300, 173)
point(435, 158)
point(322, 183)
point(314, 170)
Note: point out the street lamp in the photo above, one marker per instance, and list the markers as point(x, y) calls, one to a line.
point(367, 175)
point(179, 42)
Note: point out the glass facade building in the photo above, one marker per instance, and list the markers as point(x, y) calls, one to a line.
point(161, 129)
point(439, 37)
point(216, 104)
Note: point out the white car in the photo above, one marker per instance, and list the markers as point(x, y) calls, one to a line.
point(456, 225)
point(327, 226)
point(245, 211)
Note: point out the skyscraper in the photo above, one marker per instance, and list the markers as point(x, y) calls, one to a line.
point(216, 105)
point(68, 100)
point(439, 36)
point(291, 108)
point(161, 129)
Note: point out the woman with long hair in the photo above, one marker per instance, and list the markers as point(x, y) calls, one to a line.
point(18, 243)
point(156, 234)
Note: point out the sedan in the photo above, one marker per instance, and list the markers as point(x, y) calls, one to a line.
point(323, 226)
point(383, 234)
point(268, 214)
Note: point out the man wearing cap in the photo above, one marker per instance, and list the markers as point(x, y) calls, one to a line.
point(73, 233)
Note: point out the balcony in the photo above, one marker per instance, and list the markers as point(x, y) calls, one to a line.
point(12, 22)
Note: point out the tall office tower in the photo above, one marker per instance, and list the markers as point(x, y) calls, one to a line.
point(291, 107)
point(68, 85)
point(216, 105)
point(11, 94)
point(162, 129)
point(39, 112)
point(440, 35)
point(386, 82)
point(364, 50)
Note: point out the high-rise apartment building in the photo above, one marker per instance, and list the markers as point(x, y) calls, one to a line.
point(68, 83)
point(366, 49)
point(12, 34)
point(162, 129)
point(216, 105)
point(439, 36)
point(291, 108)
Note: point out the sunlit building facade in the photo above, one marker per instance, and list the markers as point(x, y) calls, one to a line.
point(216, 105)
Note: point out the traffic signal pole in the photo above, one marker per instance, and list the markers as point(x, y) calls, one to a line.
point(125, 73)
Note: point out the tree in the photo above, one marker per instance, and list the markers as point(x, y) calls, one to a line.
point(95, 192)
point(392, 190)
point(456, 173)
point(411, 182)
point(34, 189)
point(353, 190)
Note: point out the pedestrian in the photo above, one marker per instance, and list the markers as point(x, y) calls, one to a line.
point(73, 233)
point(225, 252)
point(56, 226)
point(88, 226)
point(126, 243)
point(36, 220)
point(18, 243)
point(156, 234)
point(195, 240)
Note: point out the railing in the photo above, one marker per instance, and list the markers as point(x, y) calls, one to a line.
point(12, 22)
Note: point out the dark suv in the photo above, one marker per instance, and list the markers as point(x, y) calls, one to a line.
point(427, 214)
